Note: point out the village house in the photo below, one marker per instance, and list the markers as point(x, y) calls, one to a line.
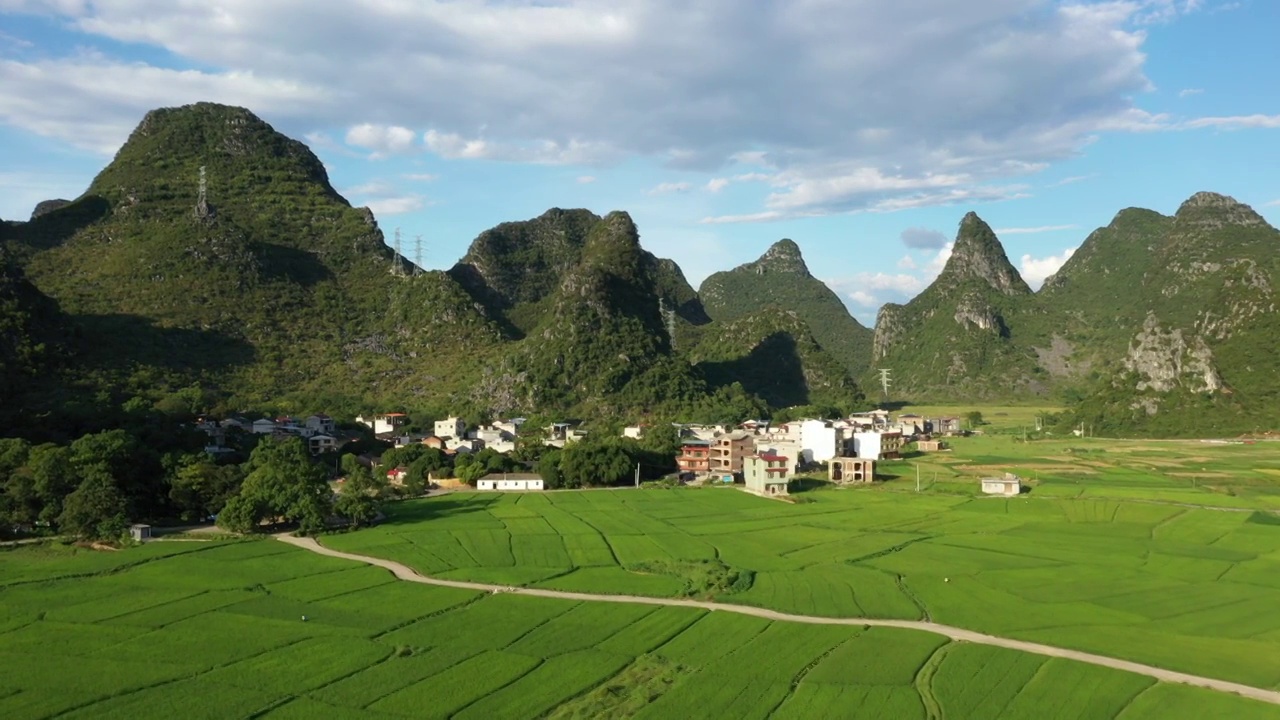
point(238, 422)
point(511, 426)
point(384, 424)
point(946, 426)
point(931, 445)
point(322, 424)
point(819, 440)
point(695, 457)
point(727, 452)
point(450, 428)
point(510, 481)
point(499, 439)
point(635, 432)
point(707, 432)
point(767, 475)
point(909, 424)
point(845, 470)
point(433, 441)
point(1009, 485)
point(877, 445)
point(264, 426)
point(139, 532)
point(790, 449)
point(322, 444)
point(561, 434)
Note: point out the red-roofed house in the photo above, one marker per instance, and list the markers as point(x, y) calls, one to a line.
point(766, 474)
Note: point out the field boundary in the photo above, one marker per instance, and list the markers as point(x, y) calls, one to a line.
point(404, 572)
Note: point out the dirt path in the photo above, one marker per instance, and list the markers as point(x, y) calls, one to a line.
point(404, 572)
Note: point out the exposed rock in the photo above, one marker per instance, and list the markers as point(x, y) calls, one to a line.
point(972, 310)
point(1165, 360)
point(783, 256)
point(44, 207)
point(1210, 211)
point(977, 254)
point(889, 330)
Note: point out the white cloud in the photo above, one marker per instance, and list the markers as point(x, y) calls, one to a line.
point(864, 298)
point(766, 216)
point(907, 263)
point(1033, 230)
point(453, 146)
point(1235, 122)
point(586, 179)
point(1073, 179)
point(918, 237)
point(1188, 92)
point(753, 177)
point(395, 205)
point(939, 261)
point(373, 187)
point(1035, 270)
point(421, 177)
point(796, 88)
point(715, 185)
point(668, 188)
point(382, 140)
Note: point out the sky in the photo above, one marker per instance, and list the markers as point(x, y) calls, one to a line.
point(862, 129)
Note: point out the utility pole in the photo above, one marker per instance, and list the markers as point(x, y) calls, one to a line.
point(885, 382)
point(917, 477)
point(417, 254)
point(637, 474)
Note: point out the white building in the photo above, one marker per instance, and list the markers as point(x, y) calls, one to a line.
point(509, 481)
point(635, 432)
point(383, 424)
point(819, 440)
point(450, 428)
point(877, 446)
point(1010, 485)
point(264, 426)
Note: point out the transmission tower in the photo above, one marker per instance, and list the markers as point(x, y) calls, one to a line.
point(885, 382)
point(417, 254)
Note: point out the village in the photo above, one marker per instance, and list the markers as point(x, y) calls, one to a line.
point(763, 458)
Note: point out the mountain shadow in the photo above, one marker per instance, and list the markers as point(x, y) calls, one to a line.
point(773, 369)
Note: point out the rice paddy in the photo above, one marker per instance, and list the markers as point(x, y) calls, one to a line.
point(1132, 563)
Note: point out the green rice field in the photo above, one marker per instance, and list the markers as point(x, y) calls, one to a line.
point(1125, 559)
point(259, 629)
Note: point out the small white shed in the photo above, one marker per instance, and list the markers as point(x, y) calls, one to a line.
point(509, 481)
point(1009, 485)
point(140, 532)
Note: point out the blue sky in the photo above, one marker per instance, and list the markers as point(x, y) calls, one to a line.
point(859, 130)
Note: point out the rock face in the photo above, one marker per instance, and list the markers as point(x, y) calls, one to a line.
point(45, 207)
point(780, 278)
point(978, 255)
point(1164, 360)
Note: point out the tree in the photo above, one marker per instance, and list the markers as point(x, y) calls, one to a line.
point(589, 463)
point(201, 487)
point(974, 417)
point(361, 497)
point(95, 510)
point(54, 478)
point(549, 470)
point(282, 482)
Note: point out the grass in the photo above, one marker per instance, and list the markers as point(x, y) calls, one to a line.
point(220, 632)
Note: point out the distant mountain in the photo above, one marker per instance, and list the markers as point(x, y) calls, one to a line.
point(781, 279)
point(31, 327)
point(1176, 319)
point(213, 249)
point(957, 339)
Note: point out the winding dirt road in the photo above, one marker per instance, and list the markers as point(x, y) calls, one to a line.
point(404, 572)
